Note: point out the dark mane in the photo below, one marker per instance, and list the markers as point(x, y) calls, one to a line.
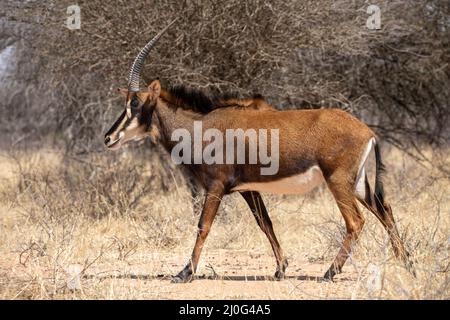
point(201, 101)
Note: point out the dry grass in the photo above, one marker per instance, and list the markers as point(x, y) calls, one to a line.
point(125, 223)
point(103, 218)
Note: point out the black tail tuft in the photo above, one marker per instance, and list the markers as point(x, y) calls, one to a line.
point(379, 190)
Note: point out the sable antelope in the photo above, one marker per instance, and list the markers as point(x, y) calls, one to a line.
point(315, 146)
point(257, 103)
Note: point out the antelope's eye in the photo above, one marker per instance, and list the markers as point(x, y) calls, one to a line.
point(134, 103)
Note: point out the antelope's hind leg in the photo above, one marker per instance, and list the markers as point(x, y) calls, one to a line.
point(354, 222)
point(213, 198)
point(256, 204)
point(382, 210)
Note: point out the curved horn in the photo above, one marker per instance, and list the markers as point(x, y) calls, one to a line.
point(135, 71)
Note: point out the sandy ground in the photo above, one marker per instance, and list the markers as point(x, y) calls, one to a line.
point(224, 274)
point(63, 219)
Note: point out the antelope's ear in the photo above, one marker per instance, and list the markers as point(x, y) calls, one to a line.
point(123, 91)
point(154, 88)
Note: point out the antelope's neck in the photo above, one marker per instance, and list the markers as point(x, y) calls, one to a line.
point(169, 119)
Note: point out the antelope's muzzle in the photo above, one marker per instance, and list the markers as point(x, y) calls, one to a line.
point(111, 141)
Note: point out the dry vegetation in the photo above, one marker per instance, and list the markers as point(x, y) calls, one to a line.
point(58, 215)
point(121, 218)
point(302, 54)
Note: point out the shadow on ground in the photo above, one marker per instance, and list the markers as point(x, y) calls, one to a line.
point(217, 277)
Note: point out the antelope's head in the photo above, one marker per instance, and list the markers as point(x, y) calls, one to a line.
point(135, 121)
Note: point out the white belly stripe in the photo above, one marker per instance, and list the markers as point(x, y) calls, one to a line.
point(297, 184)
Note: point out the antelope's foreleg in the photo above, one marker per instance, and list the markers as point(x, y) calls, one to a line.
point(213, 197)
point(256, 204)
point(195, 192)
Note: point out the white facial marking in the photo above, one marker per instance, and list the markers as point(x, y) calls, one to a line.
point(111, 142)
point(133, 125)
point(297, 184)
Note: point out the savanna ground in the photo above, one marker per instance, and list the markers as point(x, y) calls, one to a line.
point(64, 216)
point(124, 220)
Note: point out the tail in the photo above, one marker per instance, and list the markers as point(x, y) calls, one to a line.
point(379, 189)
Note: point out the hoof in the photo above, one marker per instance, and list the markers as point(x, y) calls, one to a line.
point(409, 265)
point(411, 269)
point(325, 279)
point(184, 276)
point(181, 279)
point(279, 275)
point(328, 276)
